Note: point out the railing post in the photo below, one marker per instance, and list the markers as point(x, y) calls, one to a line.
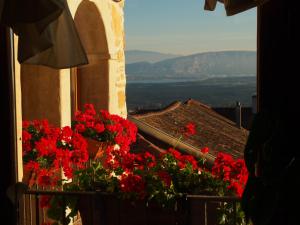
point(205, 212)
point(93, 219)
point(30, 209)
point(186, 214)
point(65, 222)
point(146, 212)
point(37, 211)
point(234, 212)
point(188, 219)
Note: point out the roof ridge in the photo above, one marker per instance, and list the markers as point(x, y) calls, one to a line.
point(168, 108)
point(193, 101)
point(152, 145)
point(210, 111)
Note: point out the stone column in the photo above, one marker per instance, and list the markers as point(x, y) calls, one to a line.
point(18, 106)
point(46, 94)
point(100, 24)
point(41, 93)
point(118, 82)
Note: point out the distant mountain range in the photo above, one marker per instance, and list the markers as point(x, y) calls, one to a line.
point(133, 56)
point(197, 66)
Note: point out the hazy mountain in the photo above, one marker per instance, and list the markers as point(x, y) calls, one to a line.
point(198, 66)
point(133, 56)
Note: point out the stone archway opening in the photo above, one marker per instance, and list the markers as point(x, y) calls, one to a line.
point(90, 83)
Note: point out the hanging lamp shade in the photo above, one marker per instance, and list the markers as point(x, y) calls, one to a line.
point(46, 30)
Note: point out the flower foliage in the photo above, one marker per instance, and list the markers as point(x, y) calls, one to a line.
point(163, 178)
point(232, 172)
point(48, 150)
point(104, 127)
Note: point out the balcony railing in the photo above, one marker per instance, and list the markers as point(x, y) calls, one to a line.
point(193, 209)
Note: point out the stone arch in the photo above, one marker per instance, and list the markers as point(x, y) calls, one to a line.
point(92, 80)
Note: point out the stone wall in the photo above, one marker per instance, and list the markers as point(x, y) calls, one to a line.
point(100, 24)
point(48, 93)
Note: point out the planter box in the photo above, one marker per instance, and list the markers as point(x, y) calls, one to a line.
point(108, 210)
point(96, 148)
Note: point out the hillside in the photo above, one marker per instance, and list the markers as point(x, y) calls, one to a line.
point(133, 56)
point(198, 66)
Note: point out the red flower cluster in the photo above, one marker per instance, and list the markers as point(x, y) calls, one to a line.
point(131, 168)
point(190, 129)
point(105, 127)
point(47, 150)
point(233, 172)
point(183, 160)
point(165, 177)
point(132, 183)
point(134, 172)
point(204, 150)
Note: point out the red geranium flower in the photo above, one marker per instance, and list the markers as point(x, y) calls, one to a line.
point(204, 150)
point(165, 177)
point(190, 129)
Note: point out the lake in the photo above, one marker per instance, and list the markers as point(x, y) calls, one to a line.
point(215, 92)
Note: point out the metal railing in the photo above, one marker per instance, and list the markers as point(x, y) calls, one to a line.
point(191, 210)
point(205, 200)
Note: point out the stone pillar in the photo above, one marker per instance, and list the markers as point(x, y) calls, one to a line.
point(18, 105)
point(118, 82)
point(46, 94)
point(41, 93)
point(100, 24)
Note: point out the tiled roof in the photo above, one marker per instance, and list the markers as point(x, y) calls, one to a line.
point(142, 145)
point(213, 130)
point(229, 112)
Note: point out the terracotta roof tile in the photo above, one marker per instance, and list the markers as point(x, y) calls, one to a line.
point(213, 130)
point(142, 145)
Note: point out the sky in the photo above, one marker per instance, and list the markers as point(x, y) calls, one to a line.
point(184, 27)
